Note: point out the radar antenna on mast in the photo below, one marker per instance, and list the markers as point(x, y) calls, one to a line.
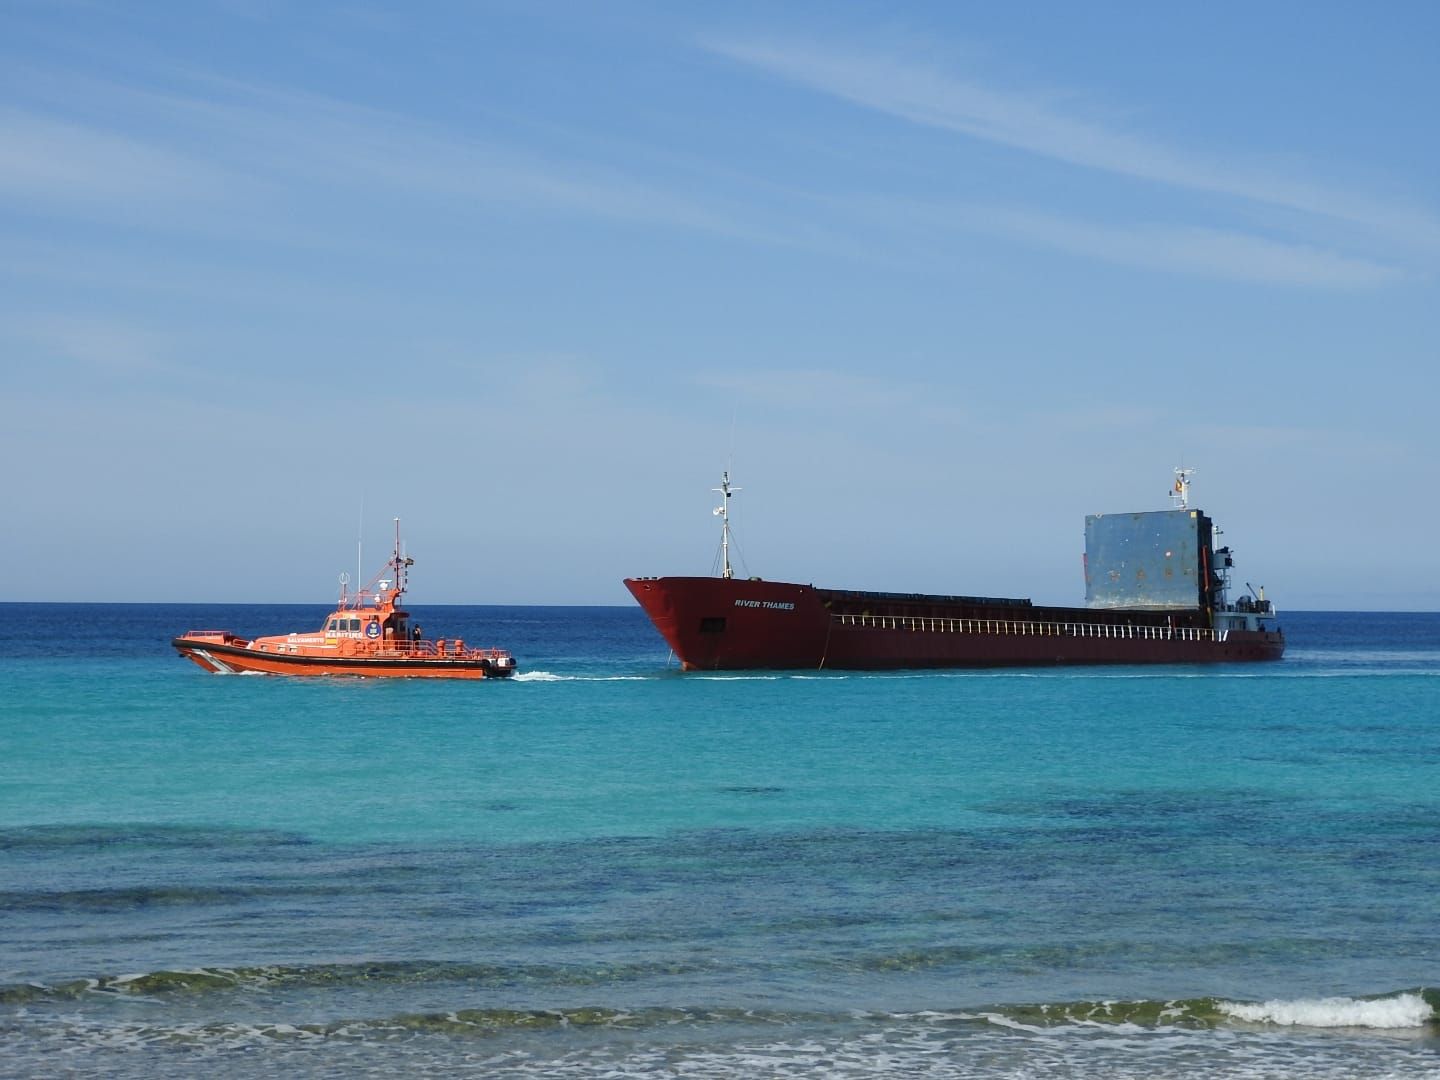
point(1180, 493)
point(723, 513)
point(400, 562)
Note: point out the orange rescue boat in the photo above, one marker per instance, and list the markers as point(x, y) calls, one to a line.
point(367, 634)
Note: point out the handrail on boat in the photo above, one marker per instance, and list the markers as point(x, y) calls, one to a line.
point(452, 648)
point(930, 624)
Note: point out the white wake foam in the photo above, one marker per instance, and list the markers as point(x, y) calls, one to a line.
point(550, 676)
point(1401, 1011)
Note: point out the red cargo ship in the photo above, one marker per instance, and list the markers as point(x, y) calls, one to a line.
point(1156, 591)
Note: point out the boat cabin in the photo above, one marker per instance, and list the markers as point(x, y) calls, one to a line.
point(372, 625)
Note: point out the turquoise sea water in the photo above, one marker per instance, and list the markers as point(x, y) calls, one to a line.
point(606, 868)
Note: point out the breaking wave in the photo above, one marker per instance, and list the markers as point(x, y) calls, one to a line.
point(1412, 1008)
point(171, 983)
point(224, 1022)
point(1415, 1008)
point(1405, 1010)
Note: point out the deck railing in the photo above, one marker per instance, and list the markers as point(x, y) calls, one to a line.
point(442, 647)
point(1033, 628)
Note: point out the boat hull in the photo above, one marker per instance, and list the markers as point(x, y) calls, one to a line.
point(234, 658)
point(718, 624)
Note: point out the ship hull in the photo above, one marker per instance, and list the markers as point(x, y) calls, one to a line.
point(222, 658)
point(718, 624)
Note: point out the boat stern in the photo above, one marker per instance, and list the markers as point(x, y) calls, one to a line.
point(200, 647)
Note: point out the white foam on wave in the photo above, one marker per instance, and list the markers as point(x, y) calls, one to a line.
point(1401, 1011)
point(926, 1045)
point(1003, 1021)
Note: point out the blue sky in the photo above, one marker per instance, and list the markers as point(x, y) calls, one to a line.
point(934, 281)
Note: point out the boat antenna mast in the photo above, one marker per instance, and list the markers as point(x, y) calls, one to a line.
point(399, 562)
point(1180, 493)
point(723, 513)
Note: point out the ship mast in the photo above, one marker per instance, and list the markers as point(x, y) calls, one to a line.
point(387, 588)
point(1180, 493)
point(400, 563)
point(723, 513)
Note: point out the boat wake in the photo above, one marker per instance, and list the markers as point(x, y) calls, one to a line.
point(550, 676)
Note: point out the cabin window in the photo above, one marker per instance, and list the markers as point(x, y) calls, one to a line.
point(332, 624)
point(712, 625)
point(354, 624)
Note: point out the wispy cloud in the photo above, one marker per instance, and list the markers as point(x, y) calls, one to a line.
point(264, 156)
point(53, 159)
point(1219, 254)
point(95, 345)
point(1215, 253)
point(1034, 123)
point(246, 143)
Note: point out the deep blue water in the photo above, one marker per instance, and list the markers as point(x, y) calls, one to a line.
point(608, 868)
